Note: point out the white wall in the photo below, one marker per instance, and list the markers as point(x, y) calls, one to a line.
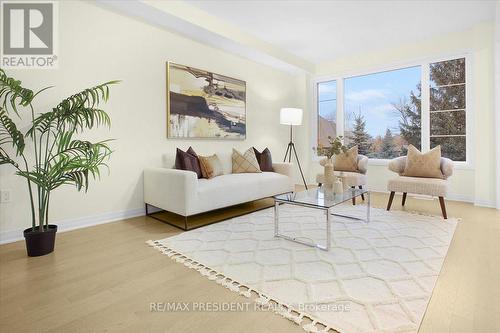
point(474, 184)
point(97, 45)
point(497, 99)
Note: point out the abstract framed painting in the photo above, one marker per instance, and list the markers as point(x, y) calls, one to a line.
point(204, 105)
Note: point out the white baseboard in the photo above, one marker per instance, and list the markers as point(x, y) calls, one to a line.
point(452, 197)
point(460, 197)
point(77, 223)
point(485, 203)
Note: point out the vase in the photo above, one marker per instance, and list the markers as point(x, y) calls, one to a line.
point(329, 173)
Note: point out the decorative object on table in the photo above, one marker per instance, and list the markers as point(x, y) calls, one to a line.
point(292, 117)
point(436, 184)
point(246, 162)
point(59, 158)
point(265, 160)
point(369, 285)
point(202, 104)
point(329, 177)
point(335, 148)
point(338, 186)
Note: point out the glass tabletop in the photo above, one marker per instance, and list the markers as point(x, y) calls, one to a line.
point(321, 197)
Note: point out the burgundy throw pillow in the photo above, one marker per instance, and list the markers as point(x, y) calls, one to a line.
point(197, 165)
point(178, 160)
point(264, 159)
point(188, 161)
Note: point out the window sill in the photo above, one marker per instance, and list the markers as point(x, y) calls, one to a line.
point(456, 165)
point(383, 162)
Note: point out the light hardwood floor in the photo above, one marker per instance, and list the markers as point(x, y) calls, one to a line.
point(104, 278)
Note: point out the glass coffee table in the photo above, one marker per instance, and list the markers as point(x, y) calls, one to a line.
point(319, 198)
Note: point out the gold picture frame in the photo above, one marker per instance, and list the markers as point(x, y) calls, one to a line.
point(204, 105)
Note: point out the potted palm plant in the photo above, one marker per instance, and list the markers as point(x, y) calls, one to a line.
point(55, 156)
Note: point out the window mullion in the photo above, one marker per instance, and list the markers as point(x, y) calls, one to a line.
point(425, 105)
point(340, 106)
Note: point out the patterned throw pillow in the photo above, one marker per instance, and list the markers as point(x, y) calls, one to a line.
point(347, 161)
point(426, 165)
point(264, 159)
point(247, 162)
point(210, 166)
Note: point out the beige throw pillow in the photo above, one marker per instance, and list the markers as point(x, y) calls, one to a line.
point(211, 166)
point(246, 162)
point(426, 165)
point(347, 161)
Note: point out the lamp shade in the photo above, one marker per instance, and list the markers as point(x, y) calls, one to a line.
point(290, 116)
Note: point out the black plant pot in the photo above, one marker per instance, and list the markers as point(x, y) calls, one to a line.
point(40, 243)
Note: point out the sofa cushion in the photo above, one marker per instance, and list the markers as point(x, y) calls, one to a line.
point(232, 189)
point(417, 185)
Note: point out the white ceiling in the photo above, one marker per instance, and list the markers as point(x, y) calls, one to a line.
point(320, 31)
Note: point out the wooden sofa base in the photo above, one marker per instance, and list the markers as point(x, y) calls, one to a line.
point(199, 220)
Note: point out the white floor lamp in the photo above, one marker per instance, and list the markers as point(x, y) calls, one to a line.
point(292, 117)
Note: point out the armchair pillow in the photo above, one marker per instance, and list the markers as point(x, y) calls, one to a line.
point(426, 165)
point(264, 159)
point(347, 161)
point(243, 163)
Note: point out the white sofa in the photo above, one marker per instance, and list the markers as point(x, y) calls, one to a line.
point(181, 192)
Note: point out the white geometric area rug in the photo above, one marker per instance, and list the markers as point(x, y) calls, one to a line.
point(377, 277)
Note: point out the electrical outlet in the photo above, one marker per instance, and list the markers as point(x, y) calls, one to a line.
point(5, 196)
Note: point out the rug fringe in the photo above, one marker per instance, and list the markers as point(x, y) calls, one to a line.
point(263, 300)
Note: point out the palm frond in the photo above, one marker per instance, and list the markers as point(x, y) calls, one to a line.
point(74, 163)
point(76, 112)
point(80, 111)
point(12, 93)
point(9, 133)
point(5, 159)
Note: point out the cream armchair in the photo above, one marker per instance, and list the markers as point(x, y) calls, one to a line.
point(417, 185)
point(350, 179)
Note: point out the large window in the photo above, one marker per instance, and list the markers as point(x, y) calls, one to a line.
point(327, 111)
point(384, 112)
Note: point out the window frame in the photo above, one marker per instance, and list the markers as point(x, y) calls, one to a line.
point(424, 64)
point(316, 105)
